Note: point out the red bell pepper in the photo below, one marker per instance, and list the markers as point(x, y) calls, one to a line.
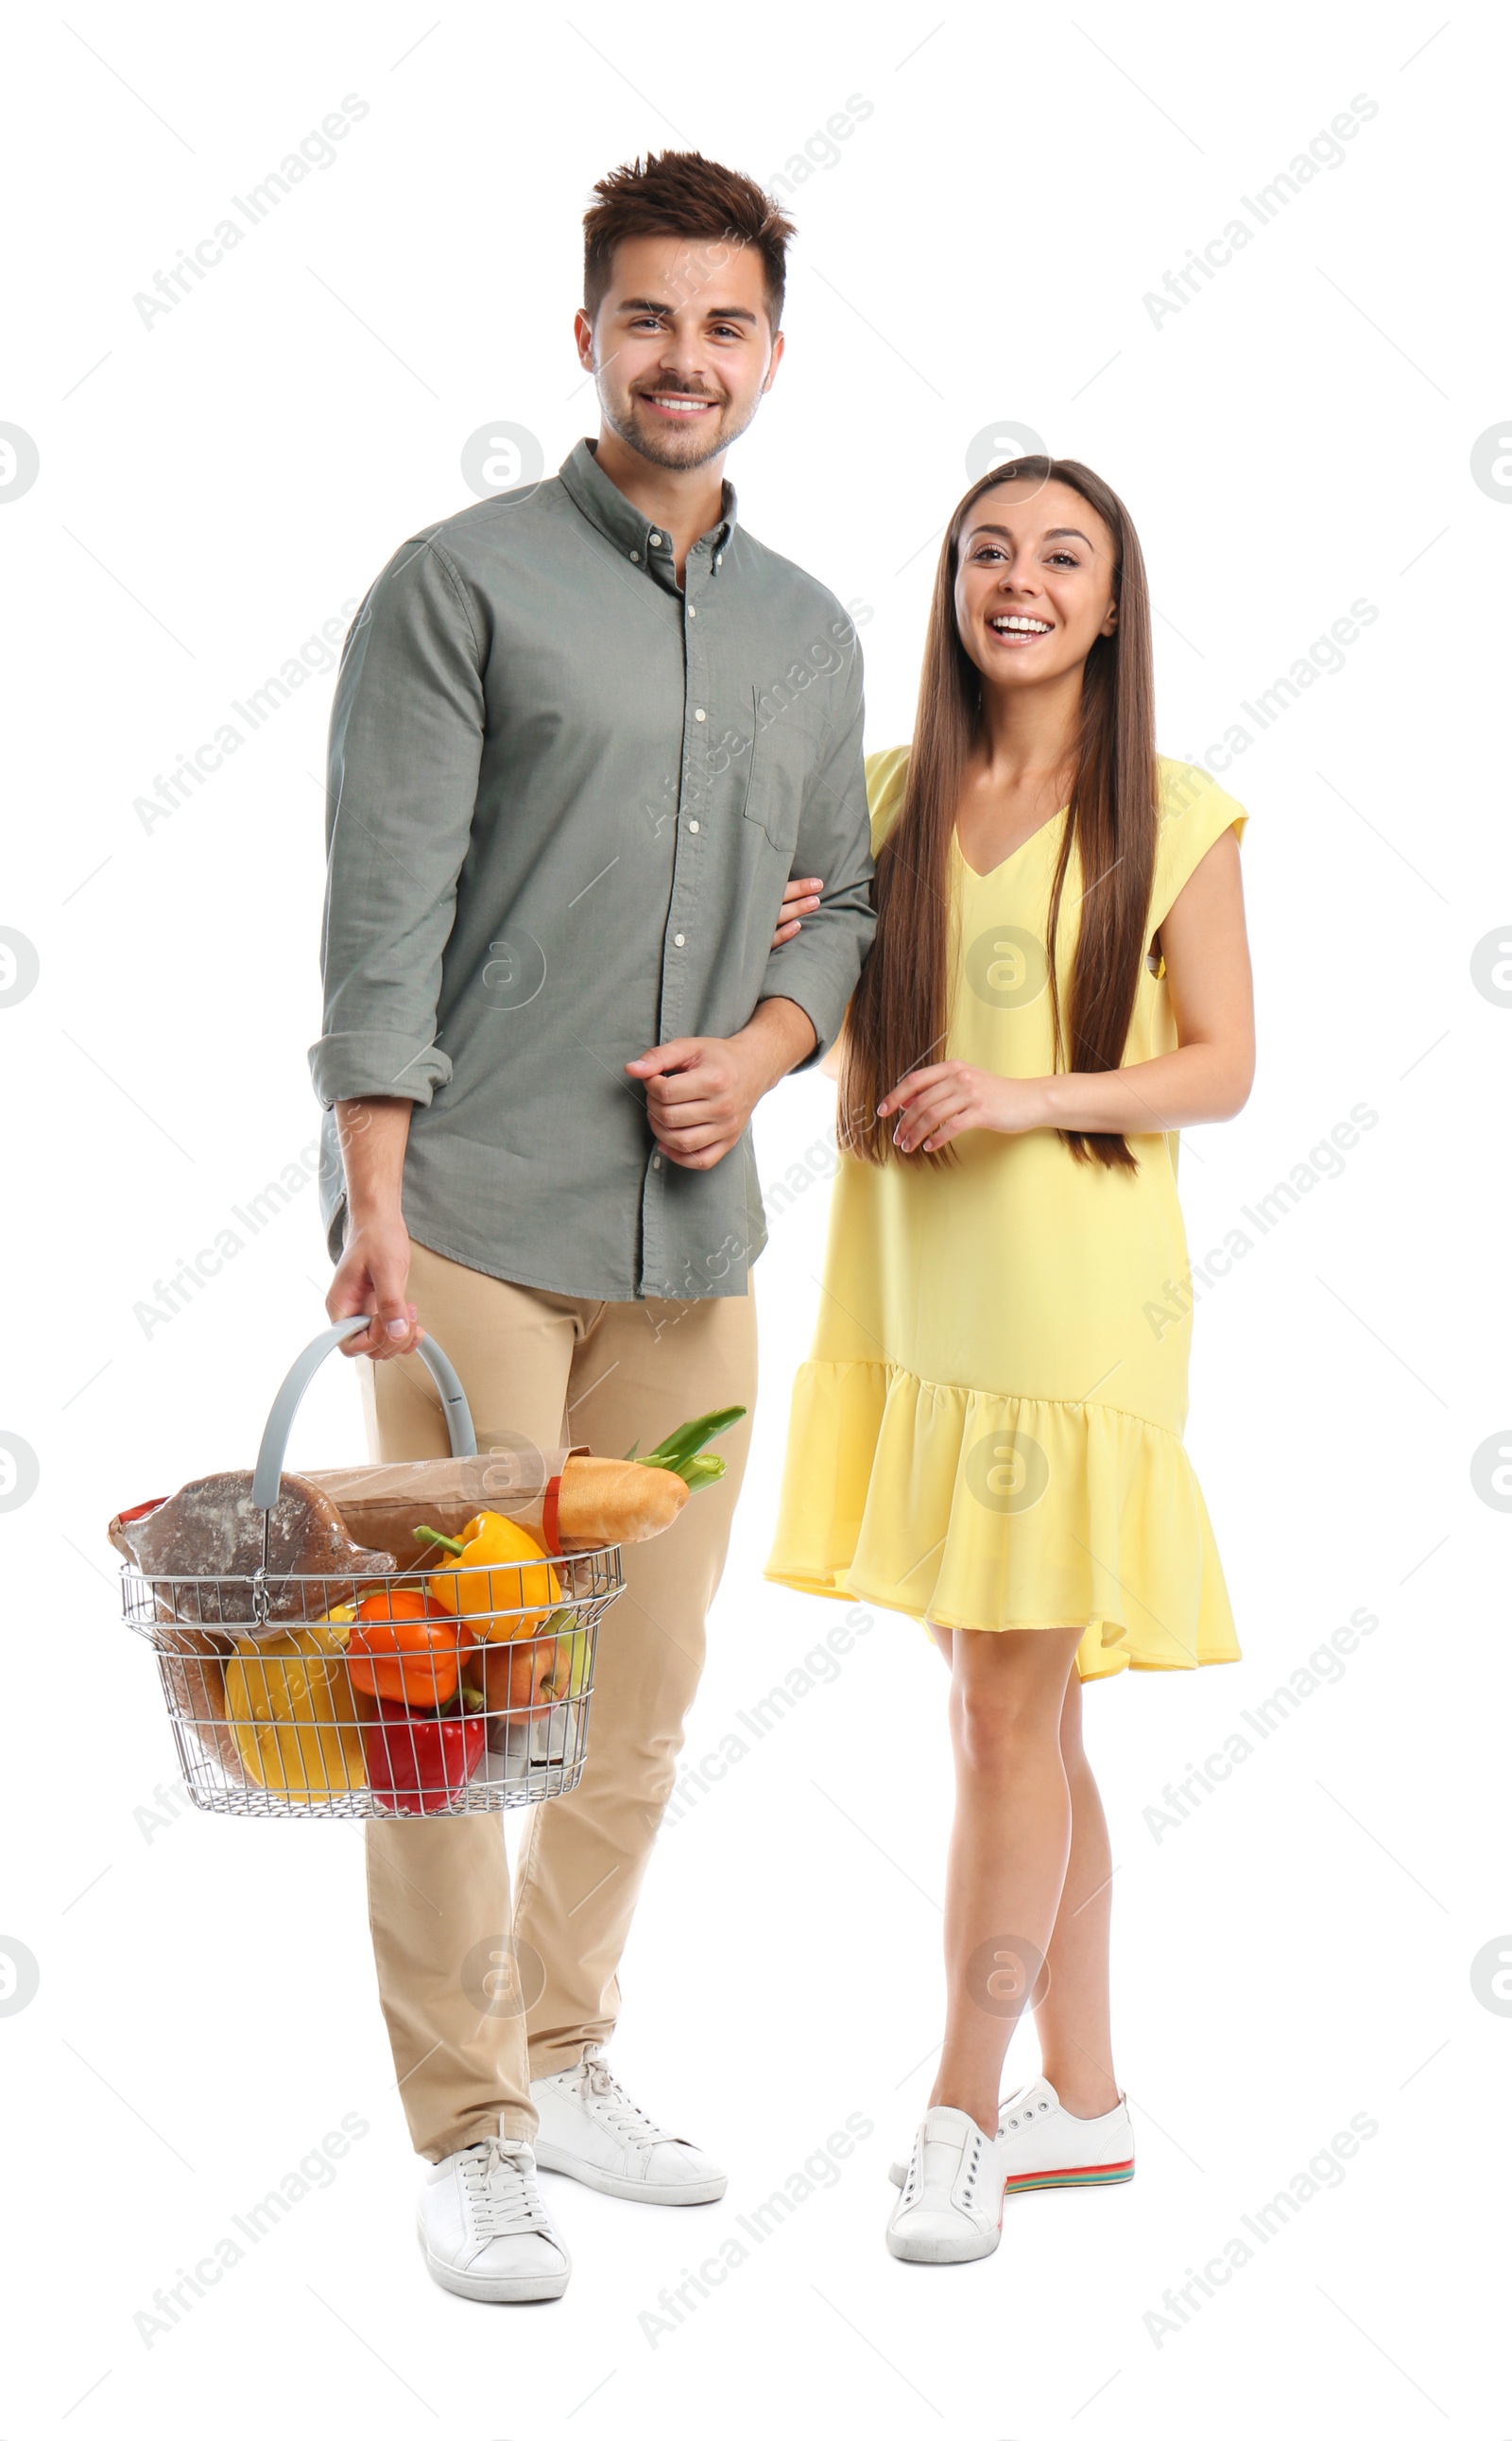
point(417, 1763)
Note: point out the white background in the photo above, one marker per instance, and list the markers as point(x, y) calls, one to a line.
point(215, 486)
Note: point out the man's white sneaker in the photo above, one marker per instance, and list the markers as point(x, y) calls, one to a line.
point(950, 2210)
point(591, 2130)
point(483, 2229)
point(1047, 2147)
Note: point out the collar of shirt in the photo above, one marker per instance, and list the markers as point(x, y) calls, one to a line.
point(622, 524)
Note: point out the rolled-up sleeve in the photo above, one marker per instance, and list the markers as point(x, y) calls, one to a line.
point(406, 737)
point(819, 968)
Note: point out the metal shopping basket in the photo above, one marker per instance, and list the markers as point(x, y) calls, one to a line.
point(286, 1704)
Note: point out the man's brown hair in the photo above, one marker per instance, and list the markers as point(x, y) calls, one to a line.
point(680, 194)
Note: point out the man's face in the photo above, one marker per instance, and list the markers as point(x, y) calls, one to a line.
point(681, 348)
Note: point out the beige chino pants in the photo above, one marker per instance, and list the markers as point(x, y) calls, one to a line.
point(478, 2000)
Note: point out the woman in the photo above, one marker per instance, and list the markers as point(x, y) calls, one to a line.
point(988, 1435)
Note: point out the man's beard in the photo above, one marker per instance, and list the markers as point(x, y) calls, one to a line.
point(663, 445)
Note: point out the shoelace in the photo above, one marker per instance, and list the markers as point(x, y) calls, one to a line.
point(501, 2196)
point(613, 2105)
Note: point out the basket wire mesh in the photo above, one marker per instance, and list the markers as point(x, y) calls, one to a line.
point(280, 1712)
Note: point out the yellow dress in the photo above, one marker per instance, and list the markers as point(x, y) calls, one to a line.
point(988, 1431)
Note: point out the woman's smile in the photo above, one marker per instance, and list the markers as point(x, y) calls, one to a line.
point(1018, 630)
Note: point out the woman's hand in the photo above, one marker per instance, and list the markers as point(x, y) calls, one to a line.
point(799, 899)
point(937, 1103)
point(1206, 1078)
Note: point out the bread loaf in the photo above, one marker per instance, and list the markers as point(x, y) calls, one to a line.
point(209, 1529)
point(192, 1665)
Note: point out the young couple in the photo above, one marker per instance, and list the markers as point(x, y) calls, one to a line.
point(600, 872)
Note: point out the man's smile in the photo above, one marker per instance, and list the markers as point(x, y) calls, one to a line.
point(677, 404)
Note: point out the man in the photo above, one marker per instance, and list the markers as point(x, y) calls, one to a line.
point(582, 734)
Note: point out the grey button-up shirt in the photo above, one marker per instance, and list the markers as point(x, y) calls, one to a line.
point(564, 799)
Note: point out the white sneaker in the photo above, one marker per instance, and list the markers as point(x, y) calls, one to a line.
point(950, 2210)
point(1047, 2147)
point(591, 2130)
point(483, 2229)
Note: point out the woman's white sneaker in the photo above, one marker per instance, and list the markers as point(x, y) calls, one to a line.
point(483, 2229)
point(950, 2210)
point(591, 2130)
point(1047, 2147)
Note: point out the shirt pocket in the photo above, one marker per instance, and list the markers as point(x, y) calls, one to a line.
point(781, 758)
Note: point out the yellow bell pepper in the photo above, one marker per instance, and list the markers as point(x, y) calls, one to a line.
point(294, 1713)
point(467, 1586)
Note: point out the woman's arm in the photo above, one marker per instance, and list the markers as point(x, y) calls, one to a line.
point(1207, 1077)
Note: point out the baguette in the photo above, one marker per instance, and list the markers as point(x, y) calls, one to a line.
point(616, 1500)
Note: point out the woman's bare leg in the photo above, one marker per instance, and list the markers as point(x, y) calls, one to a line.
point(1075, 2040)
point(1009, 1847)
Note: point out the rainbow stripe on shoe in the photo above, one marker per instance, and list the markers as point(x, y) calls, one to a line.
point(1045, 2139)
point(1035, 2130)
point(1098, 2174)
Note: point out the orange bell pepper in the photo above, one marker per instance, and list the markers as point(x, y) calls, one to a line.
point(404, 1648)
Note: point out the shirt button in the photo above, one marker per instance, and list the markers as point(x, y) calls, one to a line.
point(635, 555)
point(655, 1160)
point(692, 612)
point(677, 940)
point(692, 827)
point(700, 715)
point(653, 538)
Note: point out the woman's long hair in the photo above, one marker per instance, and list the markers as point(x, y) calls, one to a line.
point(899, 1012)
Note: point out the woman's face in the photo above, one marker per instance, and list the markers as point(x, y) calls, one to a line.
point(1034, 582)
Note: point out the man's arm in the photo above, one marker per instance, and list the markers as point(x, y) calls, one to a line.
point(701, 1089)
point(373, 1271)
point(407, 735)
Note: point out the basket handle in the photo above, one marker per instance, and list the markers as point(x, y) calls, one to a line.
point(302, 1372)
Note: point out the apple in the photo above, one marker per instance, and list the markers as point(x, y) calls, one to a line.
point(519, 1677)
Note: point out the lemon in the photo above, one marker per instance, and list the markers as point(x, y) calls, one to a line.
point(294, 1713)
